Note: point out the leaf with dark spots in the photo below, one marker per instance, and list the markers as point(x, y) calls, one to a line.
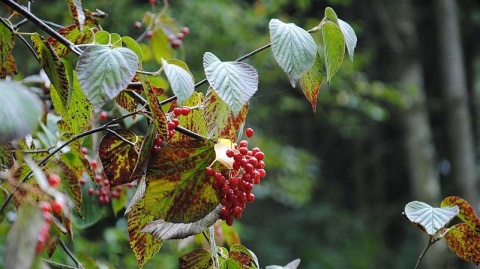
point(178, 190)
point(7, 62)
point(118, 152)
point(72, 33)
point(467, 213)
point(194, 121)
point(77, 12)
point(196, 259)
point(464, 242)
point(158, 115)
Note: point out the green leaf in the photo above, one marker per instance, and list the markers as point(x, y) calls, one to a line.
point(293, 48)
point(177, 189)
point(243, 256)
point(7, 62)
point(118, 152)
point(467, 212)
point(195, 120)
point(196, 259)
point(428, 218)
point(331, 15)
point(134, 46)
point(23, 237)
point(311, 82)
point(234, 82)
point(103, 72)
point(144, 245)
point(220, 120)
point(464, 242)
point(334, 47)
point(160, 45)
point(17, 118)
point(350, 37)
point(181, 81)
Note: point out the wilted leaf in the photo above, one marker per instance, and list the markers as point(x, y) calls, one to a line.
point(311, 82)
point(23, 237)
point(220, 120)
point(72, 33)
point(17, 119)
point(181, 81)
point(350, 37)
point(7, 62)
point(144, 245)
point(464, 242)
point(77, 12)
point(234, 82)
point(119, 151)
point(178, 190)
point(158, 115)
point(103, 72)
point(334, 47)
point(293, 48)
point(466, 214)
point(196, 259)
point(428, 218)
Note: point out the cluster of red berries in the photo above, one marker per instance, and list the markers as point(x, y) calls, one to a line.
point(178, 111)
point(47, 209)
point(236, 191)
point(176, 40)
point(103, 190)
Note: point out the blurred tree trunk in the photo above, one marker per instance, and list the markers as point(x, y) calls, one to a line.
point(405, 68)
point(455, 100)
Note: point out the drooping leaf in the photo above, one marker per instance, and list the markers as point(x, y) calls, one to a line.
point(293, 48)
point(311, 82)
point(73, 167)
point(334, 47)
point(196, 259)
point(234, 82)
point(17, 119)
point(144, 245)
point(464, 242)
point(77, 13)
point(428, 218)
point(55, 70)
point(350, 37)
point(220, 120)
point(467, 212)
point(291, 265)
point(23, 237)
point(181, 81)
point(72, 33)
point(103, 72)
point(159, 118)
point(7, 62)
point(119, 151)
point(178, 191)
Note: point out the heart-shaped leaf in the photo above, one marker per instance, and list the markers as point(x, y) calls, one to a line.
point(293, 48)
point(104, 72)
point(17, 118)
point(467, 213)
point(334, 47)
point(181, 81)
point(311, 82)
point(428, 218)
point(234, 82)
point(350, 37)
point(464, 242)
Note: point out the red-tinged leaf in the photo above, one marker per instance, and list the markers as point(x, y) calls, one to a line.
point(6, 156)
point(145, 152)
point(467, 213)
point(77, 12)
point(119, 151)
point(158, 115)
point(311, 82)
point(464, 242)
point(144, 245)
point(221, 123)
point(243, 256)
point(55, 70)
point(124, 100)
point(196, 259)
point(72, 33)
point(7, 62)
point(194, 121)
point(178, 190)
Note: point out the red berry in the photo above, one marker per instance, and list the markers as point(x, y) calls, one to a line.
point(175, 120)
point(229, 221)
point(249, 132)
point(259, 155)
point(230, 153)
point(54, 180)
point(84, 151)
point(91, 191)
point(82, 181)
point(158, 142)
point(177, 111)
point(94, 164)
point(250, 197)
point(137, 25)
point(262, 173)
point(106, 182)
point(176, 43)
point(103, 115)
point(180, 36)
point(185, 111)
point(149, 34)
point(130, 185)
point(171, 125)
point(185, 30)
point(243, 143)
point(209, 172)
point(56, 207)
point(243, 150)
point(152, 2)
point(45, 207)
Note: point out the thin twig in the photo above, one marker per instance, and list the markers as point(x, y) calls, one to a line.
point(69, 253)
point(431, 241)
point(45, 160)
point(56, 265)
